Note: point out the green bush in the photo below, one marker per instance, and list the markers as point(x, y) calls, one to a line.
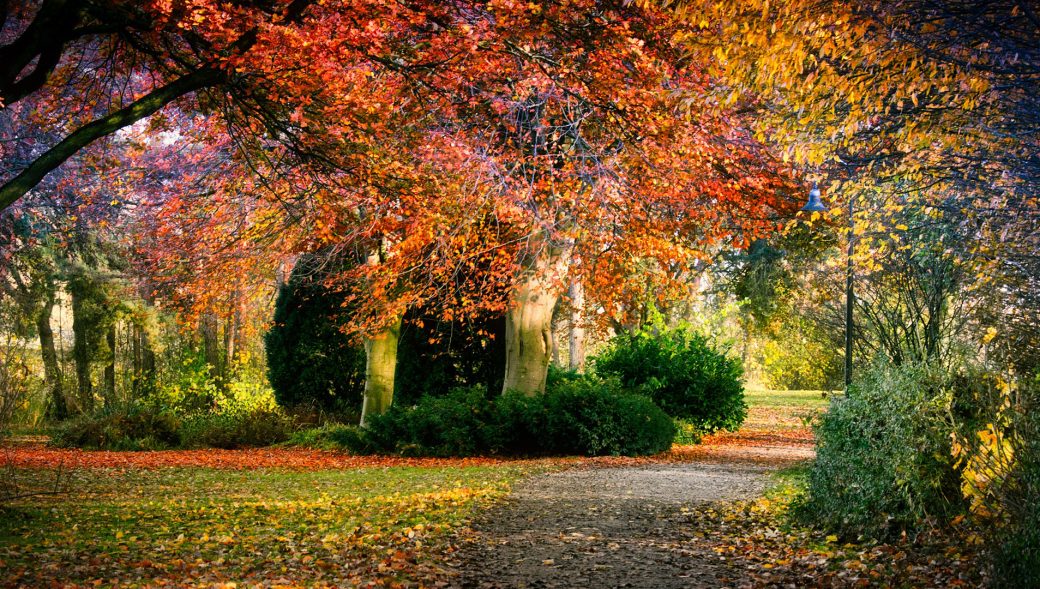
point(1016, 545)
point(682, 373)
point(587, 416)
point(244, 429)
point(332, 436)
point(457, 424)
point(883, 455)
point(686, 433)
point(594, 417)
point(435, 356)
point(136, 427)
point(311, 363)
point(1016, 556)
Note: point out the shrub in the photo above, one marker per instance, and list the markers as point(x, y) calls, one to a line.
point(311, 363)
point(594, 417)
point(262, 427)
point(686, 433)
point(1016, 554)
point(136, 427)
point(682, 373)
point(1016, 545)
point(457, 424)
point(434, 356)
point(330, 436)
point(587, 416)
point(883, 455)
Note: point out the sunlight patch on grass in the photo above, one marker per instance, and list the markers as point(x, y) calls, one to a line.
point(200, 527)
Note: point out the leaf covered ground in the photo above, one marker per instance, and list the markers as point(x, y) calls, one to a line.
point(295, 517)
point(764, 544)
point(267, 527)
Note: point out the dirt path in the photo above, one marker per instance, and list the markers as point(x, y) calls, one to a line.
point(610, 527)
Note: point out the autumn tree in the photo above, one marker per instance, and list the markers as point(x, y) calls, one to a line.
point(566, 131)
point(526, 146)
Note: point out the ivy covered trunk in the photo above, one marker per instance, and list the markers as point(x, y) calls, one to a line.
point(110, 366)
point(380, 367)
point(529, 338)
point(58, 409)
point(81, 347)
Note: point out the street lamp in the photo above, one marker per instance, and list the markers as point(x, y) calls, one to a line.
point(815, 205)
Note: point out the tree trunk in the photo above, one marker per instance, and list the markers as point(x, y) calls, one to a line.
point(380, 369)
point(576, 293)
point(81, 352)
point(51, 370)
point(209, 326)
point(529, 338)
point(553, 330)
point(146, 371)
point(110, 367)
point(230, 339)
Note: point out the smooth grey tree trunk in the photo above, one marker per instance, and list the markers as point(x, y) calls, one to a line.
point(576, 292)
point(529, 338)
point(380, 370)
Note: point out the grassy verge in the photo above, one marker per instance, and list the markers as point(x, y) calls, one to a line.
point(205, 527)
point(769, 409)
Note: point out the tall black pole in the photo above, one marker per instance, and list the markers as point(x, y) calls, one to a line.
point(848, 302)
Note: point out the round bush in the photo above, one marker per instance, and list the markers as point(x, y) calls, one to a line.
point(883, 455)
point(682, 373)
point(595, 417)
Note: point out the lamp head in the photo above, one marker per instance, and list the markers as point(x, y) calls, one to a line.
point(815, 205)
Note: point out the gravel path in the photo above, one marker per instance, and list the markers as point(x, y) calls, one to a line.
point(610, 527)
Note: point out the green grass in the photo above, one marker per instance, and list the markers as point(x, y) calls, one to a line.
point(804, 399)
point(769, 409)
point(202, 526)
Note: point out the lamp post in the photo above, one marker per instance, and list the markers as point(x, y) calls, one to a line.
point(815, 205)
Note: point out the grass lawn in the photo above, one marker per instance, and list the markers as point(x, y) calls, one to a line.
point(769, 409)
point(171, 519)
point(205, 527)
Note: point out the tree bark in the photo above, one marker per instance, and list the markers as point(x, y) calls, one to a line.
point(576, 292)
point(231, 342)
point(209, 326)
point(59, 410)
point(380, 370)
point(146, 370)
point(81, 352)
point(529, 338)
point(110, 367)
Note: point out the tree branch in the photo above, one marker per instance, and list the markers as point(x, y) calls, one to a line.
point(145, 106)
